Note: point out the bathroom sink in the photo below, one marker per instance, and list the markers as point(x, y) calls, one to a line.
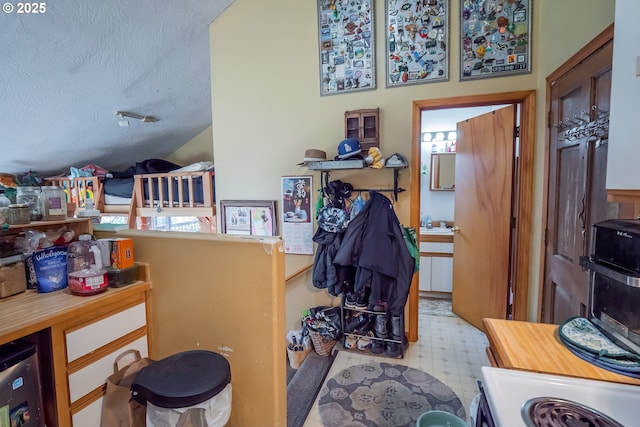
point(435, 230)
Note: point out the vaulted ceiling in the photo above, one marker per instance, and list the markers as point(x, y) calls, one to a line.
point(66, 71)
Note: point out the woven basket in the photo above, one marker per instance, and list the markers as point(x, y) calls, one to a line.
point(322, 345)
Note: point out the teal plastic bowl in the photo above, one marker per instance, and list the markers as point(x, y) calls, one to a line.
point(440, 419)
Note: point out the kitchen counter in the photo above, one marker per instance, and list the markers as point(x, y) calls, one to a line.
point(535, 347)
point(30, 311)
point(436, 234)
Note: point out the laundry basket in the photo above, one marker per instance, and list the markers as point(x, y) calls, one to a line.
point(322, 345)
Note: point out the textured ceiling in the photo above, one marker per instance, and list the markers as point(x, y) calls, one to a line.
point(65, 72)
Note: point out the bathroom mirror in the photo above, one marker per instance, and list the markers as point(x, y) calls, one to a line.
point(443, 171)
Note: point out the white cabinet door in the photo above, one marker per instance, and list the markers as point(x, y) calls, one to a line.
point(441, 274)
point(424, 278)
point(623, 150)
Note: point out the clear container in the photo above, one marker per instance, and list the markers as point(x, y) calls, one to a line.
point(53, 200)
point(4, 208)
point(19, 214)
point(85, 272)
point(30, 196)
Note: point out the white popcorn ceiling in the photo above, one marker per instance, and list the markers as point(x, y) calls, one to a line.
point(64, 74)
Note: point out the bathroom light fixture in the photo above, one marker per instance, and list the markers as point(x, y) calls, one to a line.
point(124, 122)
point(450, 135)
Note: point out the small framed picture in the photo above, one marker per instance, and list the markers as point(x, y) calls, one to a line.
point(249, 217)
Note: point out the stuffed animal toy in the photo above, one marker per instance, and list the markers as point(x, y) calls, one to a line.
point(374, 158)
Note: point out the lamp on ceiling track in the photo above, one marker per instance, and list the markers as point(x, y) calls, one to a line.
point(124, 122)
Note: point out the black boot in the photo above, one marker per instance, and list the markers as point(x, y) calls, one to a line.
point(380, 330)
point(395, 349)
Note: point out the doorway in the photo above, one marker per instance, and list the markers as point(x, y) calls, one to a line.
point(522, 193)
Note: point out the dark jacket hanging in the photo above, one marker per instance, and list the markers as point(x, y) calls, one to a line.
point(374, 243)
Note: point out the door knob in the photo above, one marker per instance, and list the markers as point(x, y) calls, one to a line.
point(455, 229)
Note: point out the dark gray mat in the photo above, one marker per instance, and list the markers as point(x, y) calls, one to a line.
point(303, 385)
point(383, 395)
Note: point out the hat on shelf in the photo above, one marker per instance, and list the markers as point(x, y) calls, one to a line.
point(348, 148)
point(396, 160)
point(312, 155)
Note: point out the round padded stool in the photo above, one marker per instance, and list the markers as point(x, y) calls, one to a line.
point(185, 380)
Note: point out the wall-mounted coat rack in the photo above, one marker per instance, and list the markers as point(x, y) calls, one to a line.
point(326, 167)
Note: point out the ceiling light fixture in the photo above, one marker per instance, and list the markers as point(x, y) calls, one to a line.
point(123, 114)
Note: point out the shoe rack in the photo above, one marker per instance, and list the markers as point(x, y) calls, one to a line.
point(370, 331)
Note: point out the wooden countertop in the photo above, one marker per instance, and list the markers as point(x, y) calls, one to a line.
point(30, 311)
point(535, 347)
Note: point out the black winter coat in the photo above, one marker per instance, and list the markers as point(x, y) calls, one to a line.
point(374, 243)
point(325, 273)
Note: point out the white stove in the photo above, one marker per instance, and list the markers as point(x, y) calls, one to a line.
point(508, 390)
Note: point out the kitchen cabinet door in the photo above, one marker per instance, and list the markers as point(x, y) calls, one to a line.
point(441, 274)
point(623, 174)
point(425, 274)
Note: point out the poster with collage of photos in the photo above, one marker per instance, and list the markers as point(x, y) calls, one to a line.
point(495, 38)
point(346, 39)
point(417, 39)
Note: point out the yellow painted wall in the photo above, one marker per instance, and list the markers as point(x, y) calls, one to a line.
point(267, 109)
point(198, 149)
point(204, 297)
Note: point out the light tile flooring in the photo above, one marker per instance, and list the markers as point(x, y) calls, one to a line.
point(448, 348)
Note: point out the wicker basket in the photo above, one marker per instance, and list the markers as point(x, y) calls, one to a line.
point(322, 345)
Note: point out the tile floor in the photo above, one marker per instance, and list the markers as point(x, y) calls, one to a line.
point(448, 348)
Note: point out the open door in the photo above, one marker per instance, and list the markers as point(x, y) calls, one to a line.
point(482, 238)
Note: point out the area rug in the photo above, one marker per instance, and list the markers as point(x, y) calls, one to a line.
point(435, 307)
point(383, 395)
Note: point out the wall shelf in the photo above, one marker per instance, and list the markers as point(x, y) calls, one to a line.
point(325, 169)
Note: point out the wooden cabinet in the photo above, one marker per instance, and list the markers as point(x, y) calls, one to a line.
point(363, 125)
point(436, 267)
point(78, 338)
point(623, 175)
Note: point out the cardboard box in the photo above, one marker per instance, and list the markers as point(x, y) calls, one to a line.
point(117, 252)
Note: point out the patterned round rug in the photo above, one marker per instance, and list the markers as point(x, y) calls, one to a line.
point(383, 395)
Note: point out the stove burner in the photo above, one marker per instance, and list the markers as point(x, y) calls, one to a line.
point(554, 412)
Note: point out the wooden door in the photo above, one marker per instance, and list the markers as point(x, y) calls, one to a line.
point(484, 182)
point(576, 190)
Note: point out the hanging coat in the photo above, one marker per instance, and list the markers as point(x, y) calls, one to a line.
point(374, 243)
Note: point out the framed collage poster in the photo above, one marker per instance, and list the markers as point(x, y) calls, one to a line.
point(495, 38)
point(249, 217)
point(346, 46)
point(417, 41)
point(297, 214)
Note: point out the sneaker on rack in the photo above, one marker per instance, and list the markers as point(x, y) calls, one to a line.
point(363, 343)
point(350, 342)
point(350, 300)
point(362, 303)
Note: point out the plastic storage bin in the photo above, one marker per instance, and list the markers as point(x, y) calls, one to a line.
point(192, 384)
point(13, 278)
point(20, 398)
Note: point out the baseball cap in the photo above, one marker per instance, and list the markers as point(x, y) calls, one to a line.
point(348, 148)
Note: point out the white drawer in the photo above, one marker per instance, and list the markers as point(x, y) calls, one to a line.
point(94, 375)
point(439, 247)
point(95, 335)
point(89, 416)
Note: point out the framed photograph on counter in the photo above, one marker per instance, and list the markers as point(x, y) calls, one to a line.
point(346, 45)
point(417, 42)
point(249, 217)
point(495, 38)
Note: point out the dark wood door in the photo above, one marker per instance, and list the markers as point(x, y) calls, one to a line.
point(576, 191)
point(484, 182)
